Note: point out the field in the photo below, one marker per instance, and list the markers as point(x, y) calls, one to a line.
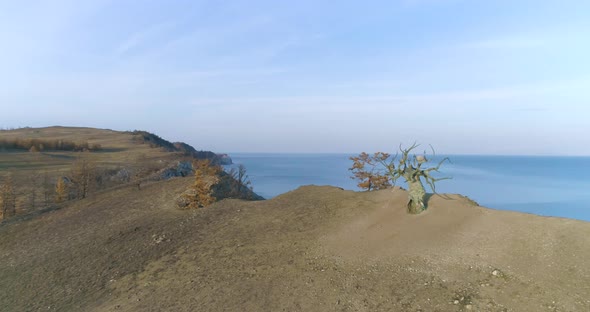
point(35, 173)
point(117, 148)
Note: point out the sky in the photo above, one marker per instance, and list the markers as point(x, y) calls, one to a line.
point(468, 77)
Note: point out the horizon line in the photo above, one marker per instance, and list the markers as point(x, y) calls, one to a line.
point(445, 154)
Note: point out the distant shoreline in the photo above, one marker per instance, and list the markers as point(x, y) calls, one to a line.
point(441, 154)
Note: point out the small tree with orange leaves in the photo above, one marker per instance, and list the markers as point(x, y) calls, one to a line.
point(61, 190)
point(206, 177)
point(364, 169)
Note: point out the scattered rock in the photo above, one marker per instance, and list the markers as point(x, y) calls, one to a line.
point(123, 175)
point(183, 200)
point(471, 201)
point(158, 239)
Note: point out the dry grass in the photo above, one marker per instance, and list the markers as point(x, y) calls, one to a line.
point(119, 150)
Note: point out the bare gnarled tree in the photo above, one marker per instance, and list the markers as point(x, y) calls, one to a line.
point(410, 167)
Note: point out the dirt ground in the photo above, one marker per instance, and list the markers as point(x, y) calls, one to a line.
point(317, 248)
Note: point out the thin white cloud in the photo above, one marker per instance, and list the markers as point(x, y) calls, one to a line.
point(139, 38)
point(427, 2)
point(206, 36)
point(518, 99)
point(476, 95)
point(513, 42)
point(556, 36)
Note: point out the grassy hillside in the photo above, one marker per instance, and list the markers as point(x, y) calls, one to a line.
point(313, 249)
point(120, 157)
point(118, 148)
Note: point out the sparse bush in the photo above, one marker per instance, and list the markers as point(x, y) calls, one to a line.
point(83, 176)
point(239, 182)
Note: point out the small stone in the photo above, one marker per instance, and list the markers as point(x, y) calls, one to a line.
point(496, 272)
point(468, 307)
point(456, 301)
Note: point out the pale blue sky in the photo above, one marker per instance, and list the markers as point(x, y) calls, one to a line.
point(473, 77)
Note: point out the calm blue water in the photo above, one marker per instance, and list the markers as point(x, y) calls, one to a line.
point(551, 186)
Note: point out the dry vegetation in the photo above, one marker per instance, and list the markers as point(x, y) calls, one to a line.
point(46, 167)
point(206, 176)
point(7, 198)
point(40, 145)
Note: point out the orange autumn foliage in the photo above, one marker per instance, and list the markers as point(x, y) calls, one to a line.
point(364, 169)
point(206, 176)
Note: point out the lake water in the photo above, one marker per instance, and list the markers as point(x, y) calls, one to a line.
point(551, 186)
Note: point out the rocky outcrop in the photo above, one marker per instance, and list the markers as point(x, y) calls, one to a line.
point(155, 141)
point(224, 159)
point(182, 169)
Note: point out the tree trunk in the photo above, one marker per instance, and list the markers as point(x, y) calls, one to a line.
point(417, 196)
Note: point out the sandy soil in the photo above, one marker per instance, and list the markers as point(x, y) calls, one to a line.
point(313, 249)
